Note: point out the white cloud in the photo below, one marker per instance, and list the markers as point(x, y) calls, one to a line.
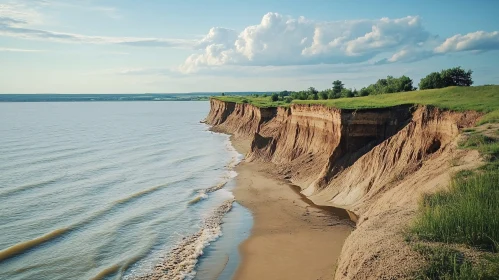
point(283, 40)
point(17, 20)
point(389, 33)
point(18, 13)
point(18, 50)
point(216, 36)
point(476, 41)
point(407, 55)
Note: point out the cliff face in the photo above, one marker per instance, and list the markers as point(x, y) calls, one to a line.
point(242, 120)
point(376, 163)
point(311, 142)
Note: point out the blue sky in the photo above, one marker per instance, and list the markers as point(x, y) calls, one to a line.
point(132, 46)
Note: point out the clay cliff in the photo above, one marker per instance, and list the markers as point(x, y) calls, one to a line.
point(374, 162)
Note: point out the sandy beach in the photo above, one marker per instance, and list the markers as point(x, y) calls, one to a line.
point(290, 238)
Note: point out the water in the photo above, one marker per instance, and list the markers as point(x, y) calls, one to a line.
point(107, 190)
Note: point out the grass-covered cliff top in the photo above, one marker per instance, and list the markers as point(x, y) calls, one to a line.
point(480, 98)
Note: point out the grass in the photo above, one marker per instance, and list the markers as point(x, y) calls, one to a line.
point(487, 146)
point(262, 102)
point(445, 263)
point(480, 98)
point(466, 214)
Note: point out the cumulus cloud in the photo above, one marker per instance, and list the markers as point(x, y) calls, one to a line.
point(283, 40)
point(476, 41)
point(277, 40)
point(217, 36)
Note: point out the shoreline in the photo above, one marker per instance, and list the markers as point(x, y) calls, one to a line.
point(291, 238)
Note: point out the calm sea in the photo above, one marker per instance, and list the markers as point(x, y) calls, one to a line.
point(112, 190)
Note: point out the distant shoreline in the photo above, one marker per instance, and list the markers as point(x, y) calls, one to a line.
point(112, 97)
point(101, 97)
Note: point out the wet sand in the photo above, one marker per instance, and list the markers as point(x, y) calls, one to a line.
point(290, 238)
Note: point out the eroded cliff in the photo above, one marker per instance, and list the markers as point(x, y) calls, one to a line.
point(375, 163)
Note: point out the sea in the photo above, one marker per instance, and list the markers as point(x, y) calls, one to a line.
point(117, 190)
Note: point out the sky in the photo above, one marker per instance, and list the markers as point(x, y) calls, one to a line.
point(176, 46)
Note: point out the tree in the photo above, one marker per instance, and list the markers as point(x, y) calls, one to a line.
point(355, 92)
point(312, 93)
point(364, 91)
point(332, 95)
point(405, 84)
point(223, 93)
point(457, 77)
point(284, 93)
point(323, 94)
point(347, 92)
point(433, 80)
point(338, 86)
point(274, 97)
point(449, 77)
point(389, 85)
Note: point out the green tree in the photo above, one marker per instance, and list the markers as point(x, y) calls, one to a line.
point(312, 93)
point(355, 92)
point(284, 93)
point(332, 95)
point(323, 94)
point(364, 91)
point(389, 85)
point(274, 97)
point(405, 84)
point(223, 93)
point(457, 77)
point(338, 86)
point(449, 77)
point(347, 92)
point(433, 80)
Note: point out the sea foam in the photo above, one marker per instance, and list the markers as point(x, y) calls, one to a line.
point(180, 262)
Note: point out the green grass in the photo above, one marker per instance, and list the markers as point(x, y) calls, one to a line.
point(445, 263)
point(262, 102)
point(481, 98)
point(466, 214)
point(487, 146)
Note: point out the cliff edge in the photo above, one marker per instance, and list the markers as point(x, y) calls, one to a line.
point(375, 163)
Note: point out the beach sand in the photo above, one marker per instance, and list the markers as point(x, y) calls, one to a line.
point(290, 238)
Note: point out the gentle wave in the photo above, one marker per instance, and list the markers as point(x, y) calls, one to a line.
point(26, 245)
point(53, 159)
point(22, 247)
point(235, 160)
point(122, 266)
point(30, 186)
point(202, 194)
point(179, 264)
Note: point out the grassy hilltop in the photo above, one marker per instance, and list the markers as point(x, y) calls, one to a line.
point(480, 98)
